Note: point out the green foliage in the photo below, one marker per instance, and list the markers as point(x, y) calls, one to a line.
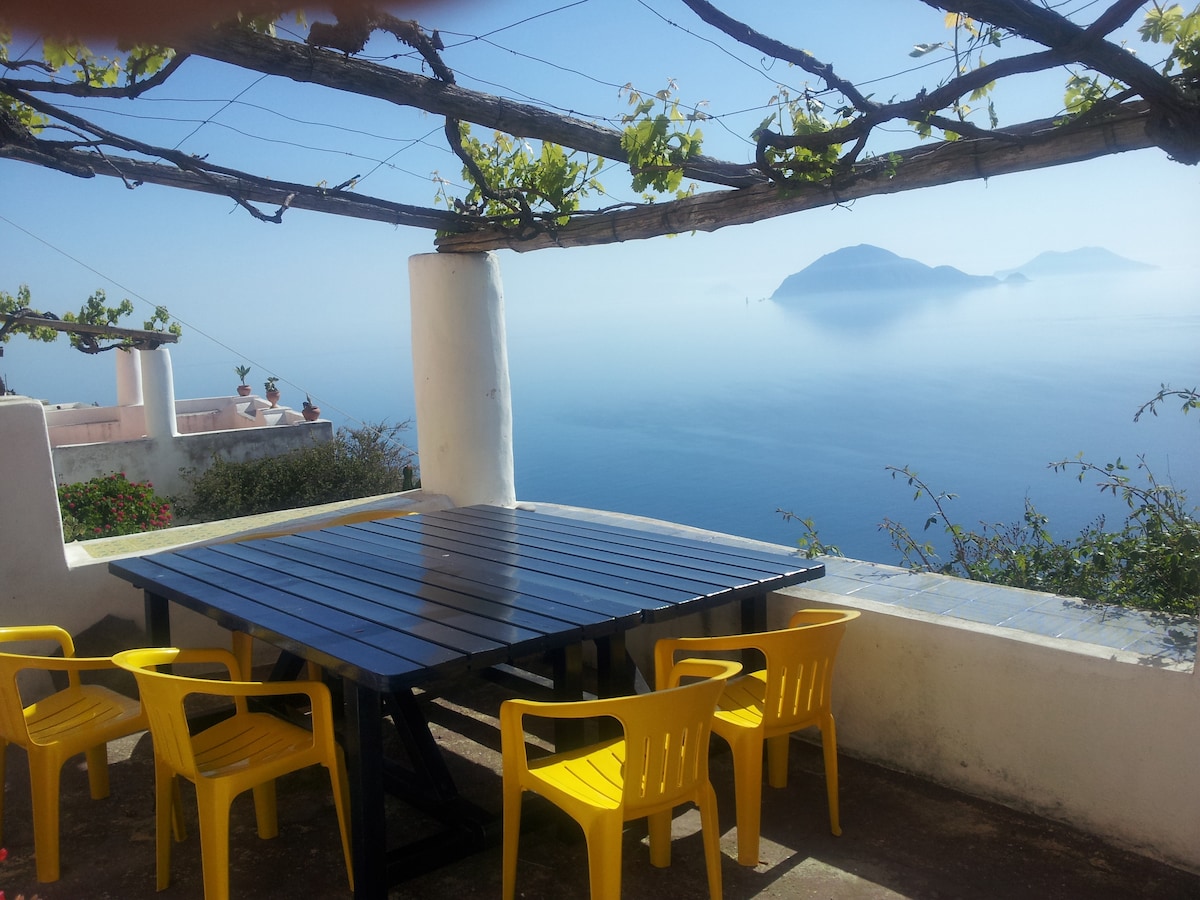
point(271, 383)
point(242, 372)
point(23, 300)
point(810, 542)
point(971, 38)
point(95, 311)
point(659, 139)
point(1151, 561)
point(110, 505)
point(1084, 91)
point(1172, 26)
point(358, 462)
point(799, 116)
point(136, 63)
point(551, 179)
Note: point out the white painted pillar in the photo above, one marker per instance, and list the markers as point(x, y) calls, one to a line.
point(129, 378)
point(31, 526)
point(158, 393)
point(460, 378)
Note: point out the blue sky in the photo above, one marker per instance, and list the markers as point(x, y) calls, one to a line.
point(321, 301)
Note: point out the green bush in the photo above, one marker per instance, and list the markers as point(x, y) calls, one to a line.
point(1150, 561)
point(358, 462)
point(110, 505)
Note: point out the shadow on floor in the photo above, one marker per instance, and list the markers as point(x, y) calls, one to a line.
point(903, 837)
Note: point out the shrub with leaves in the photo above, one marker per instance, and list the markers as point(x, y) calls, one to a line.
point(1150, 561)
point(358, 462)
point(110, 505)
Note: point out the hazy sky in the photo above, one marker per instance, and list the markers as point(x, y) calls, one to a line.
point(321, 301)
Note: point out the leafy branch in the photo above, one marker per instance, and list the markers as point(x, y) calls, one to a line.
point(1150, 561)
point(94, 313)
point(810, 542)
point(659, 141)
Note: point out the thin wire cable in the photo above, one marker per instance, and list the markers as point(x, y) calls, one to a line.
point(238, 96)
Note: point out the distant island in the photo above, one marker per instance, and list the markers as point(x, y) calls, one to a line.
point(1084, 261)
point(870, 269)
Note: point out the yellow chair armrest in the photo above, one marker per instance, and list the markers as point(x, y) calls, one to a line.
point(39, 633)
point(73, 663)
point(666, 648)
point(698, 667)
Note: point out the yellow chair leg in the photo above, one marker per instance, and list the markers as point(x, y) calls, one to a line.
point(44, 793)
point(214, 844)
point(512, 834)
point(341, 801)
point(97, 770)
point(178, 825)
point(777, 760)
point(604, 857)
point(710, 831)
point(3, 775)
point(167, 817)
point(747, 789)
point(264, 810)
point(660, 838)
point(829, 747)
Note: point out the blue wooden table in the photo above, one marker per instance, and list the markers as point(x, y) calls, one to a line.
point(391, 604)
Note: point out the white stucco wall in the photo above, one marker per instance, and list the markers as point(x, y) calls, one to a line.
point(1070, 731)
point(36, 584)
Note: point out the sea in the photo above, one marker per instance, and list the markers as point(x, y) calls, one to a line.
point(720, 410)
point(725, 412)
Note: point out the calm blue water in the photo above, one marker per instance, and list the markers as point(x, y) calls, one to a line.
point(704, 407)
point(715, 411)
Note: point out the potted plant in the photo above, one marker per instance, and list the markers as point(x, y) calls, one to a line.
point(272, 390)
point(243, 389)
point(310, 412)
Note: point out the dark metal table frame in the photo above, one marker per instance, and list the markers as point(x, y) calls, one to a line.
point(390, 604)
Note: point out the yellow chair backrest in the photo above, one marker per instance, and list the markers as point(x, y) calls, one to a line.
point(13, 726)
point(798, 673)
point(164, 697)
point(666, 742)
point(799, 669)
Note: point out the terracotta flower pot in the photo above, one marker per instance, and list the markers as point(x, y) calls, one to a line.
point(311, 413)
point(243, 390)
point(273, 397)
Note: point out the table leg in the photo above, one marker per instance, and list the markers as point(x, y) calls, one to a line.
point(614, 668)
point(614, 676)
point(243, 652)
point(754, 620)
point(754, 614)
point(567, 663)
point(158, 620)
point(364, 767)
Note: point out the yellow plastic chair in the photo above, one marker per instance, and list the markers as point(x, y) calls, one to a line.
point(81, 718)
point(791, 693)
point(249, 750)
point(659, 762)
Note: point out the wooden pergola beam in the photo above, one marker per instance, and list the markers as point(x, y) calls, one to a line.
point(1040, 144)
point(141, 338)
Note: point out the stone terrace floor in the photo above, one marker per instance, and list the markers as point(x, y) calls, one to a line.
point(902, 837)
